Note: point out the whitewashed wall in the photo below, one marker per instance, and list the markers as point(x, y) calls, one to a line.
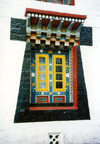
point(11, 59)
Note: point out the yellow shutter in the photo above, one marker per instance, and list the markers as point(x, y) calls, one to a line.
point(41, 72)
point(59, 71)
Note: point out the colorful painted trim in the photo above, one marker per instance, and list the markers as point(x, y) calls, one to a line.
point(49, 30)
point(59, 99)
point(66, 2)
point(61, 77)
point(42, 99)
point(30, 10)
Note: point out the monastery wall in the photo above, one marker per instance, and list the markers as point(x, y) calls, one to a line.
point(11, 60)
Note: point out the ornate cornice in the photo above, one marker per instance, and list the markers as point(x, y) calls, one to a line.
point(53, 28)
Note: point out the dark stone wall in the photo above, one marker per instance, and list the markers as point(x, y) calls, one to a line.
point(83, 109)
point(18, 29)
point(86, 36)
point(24, 89)
point(18, 32)
point(23, 114)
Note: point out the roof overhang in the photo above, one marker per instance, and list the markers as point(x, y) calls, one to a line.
point(53, 13)
point(53, 28)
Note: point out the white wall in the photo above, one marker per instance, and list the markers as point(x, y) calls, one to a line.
point(11, 59)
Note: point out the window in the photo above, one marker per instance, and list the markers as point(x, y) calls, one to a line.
point(67, 2)
point(59, 72)
point(51, 79)
point(41, 72)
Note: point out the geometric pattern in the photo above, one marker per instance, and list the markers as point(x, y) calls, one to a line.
point(53, 40)
point(55, 138)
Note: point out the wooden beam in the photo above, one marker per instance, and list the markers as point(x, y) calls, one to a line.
point(52, 13)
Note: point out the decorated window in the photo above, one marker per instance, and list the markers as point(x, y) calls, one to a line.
point(67, 2)
point(52, 75)
point(53, 38)
point(51, 79)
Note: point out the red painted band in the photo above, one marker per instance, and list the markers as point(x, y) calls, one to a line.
point(75, 76)
point(72, 2)
point(53, 108)
point(30, 10)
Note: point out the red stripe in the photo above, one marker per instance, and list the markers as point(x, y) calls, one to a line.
point(74, 76)
point(52, 108)
point(30, 10)
point(73, 2)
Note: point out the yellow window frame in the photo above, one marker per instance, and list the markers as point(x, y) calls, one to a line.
point(37, 72)
point(54, 72)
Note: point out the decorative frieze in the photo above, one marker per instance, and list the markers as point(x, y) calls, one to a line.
point(58, 30)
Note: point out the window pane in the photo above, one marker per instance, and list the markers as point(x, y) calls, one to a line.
point(58, 60)
point(42, 76)
point(49, 0)
point(42, 84)
point(58, 76)
point(41, 68)
point(41, 60)
point(58, 84)
point(58, 68)
point(57, 1)
point(66, 1)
